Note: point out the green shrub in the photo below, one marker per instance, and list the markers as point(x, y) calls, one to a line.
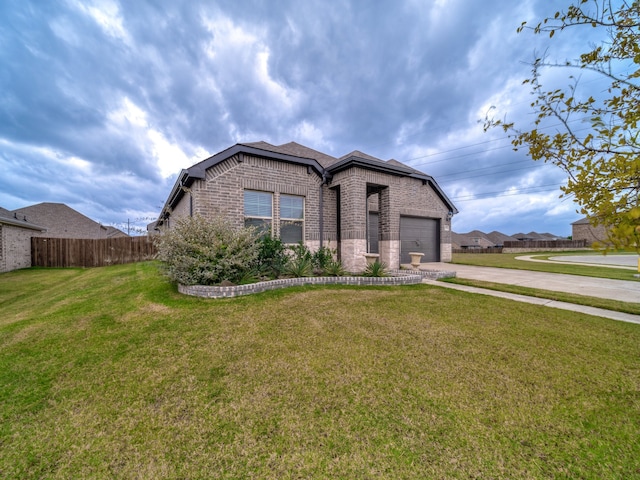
point(299, 267)
point(321, 259)
point(300, 262)
point(376, 269)
point(199, 251)
point(303, 263)
point(334, 269)
point(272, 257)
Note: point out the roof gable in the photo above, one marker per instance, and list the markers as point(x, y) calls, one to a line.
point(359, 154)
point(61, 220)
point(324, 165)
point(296, 150)
point(498, 238)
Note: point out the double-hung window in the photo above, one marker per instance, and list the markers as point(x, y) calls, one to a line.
point(258, 210)
point(291, 219)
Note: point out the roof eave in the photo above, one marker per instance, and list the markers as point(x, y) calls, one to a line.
point(21, 223)
point(384, 167)
point(198, 171)
point(369, 165)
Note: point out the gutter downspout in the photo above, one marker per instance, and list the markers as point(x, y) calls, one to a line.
point(326, 178)
point(321, 195)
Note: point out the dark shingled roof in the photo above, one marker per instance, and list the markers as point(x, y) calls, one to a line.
point(359, 154)
point(582, 221)
point(323, 164)
point(297, 150)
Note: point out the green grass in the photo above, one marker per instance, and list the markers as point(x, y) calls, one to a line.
point(110, 373)
point(508, 260)
point(615, 305)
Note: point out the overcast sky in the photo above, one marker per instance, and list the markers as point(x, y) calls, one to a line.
point(102, 103)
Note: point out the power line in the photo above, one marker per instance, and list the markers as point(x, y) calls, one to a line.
point(494, 173)
point(522, 191)
point(478, 152)
point(488, 168)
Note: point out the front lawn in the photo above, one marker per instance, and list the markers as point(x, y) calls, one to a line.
point(110, 373)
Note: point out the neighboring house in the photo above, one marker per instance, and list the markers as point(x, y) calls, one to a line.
point(527, 237)
point(477, 239)
point(113, 232)
point(51, 220)
point(15, 240)
point(62, 221)
point(471, 240)
point(498, 238)
point(583, 230)
point(355, 204)
point(152, 228)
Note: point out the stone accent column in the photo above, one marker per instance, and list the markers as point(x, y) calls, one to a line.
point(388, 230)
point(353, 222)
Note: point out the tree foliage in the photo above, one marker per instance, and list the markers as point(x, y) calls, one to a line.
point(603, 160)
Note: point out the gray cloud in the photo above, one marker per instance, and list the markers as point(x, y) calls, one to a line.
point(104, 102)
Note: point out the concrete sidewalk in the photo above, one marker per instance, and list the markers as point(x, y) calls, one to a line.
point(624, 291)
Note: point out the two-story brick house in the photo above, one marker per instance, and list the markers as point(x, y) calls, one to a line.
point(355, 204)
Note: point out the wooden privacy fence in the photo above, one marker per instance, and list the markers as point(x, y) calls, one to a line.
point(477, 250)
point(81, 252)
point(550, 244)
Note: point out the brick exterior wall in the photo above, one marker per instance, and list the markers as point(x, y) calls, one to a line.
point(15, 247)
point(222, 191)
point(585, 231)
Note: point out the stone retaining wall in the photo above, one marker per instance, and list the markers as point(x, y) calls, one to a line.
point(399, 277)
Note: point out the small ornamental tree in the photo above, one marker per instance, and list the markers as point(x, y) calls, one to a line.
point(200, 251)
point(602, 160)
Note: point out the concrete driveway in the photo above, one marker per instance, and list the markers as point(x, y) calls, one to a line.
point(625, 291)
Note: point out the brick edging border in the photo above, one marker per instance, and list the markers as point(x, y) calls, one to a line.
point(398, 277)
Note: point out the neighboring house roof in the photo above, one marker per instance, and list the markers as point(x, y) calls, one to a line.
point(582, 221)
point(536, 236)
point(551, 236)
point(527, 236)
point(324, 165)
point(60, 220)
point(498, 238)
point(475, 238)
point(113, 232)
point(9, 218)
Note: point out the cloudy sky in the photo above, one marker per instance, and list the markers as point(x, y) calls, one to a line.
point(102, 103)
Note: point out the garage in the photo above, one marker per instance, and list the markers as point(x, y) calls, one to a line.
point(419, 234)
